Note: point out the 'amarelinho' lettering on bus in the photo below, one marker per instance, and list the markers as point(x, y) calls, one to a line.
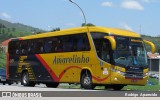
point(73, 59)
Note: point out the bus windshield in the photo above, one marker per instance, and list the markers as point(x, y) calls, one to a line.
point(129, 52)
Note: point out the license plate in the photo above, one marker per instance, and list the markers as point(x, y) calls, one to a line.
point(134, 80)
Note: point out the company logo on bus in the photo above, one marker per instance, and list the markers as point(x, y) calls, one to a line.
point(73, 59)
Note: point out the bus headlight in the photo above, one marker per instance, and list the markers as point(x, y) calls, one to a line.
point(145, 74)
point(119, 72)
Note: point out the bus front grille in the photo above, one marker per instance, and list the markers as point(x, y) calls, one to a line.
point(134, 72)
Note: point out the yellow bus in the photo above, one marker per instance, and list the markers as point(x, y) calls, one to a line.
point(90, 56)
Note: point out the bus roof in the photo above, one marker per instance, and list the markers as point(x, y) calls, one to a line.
point(111, 31)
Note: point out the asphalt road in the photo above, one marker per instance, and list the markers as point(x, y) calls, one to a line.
point(63, 92)
point(41, 87)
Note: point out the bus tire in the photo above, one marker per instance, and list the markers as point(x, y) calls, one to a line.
point(4, 83)
point(117, 87)
point(52, 85)
point(86, 81)
point(25, 80)
point(9, 82)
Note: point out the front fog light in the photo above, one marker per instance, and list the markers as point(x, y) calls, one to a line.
point(115, 78)
point(145, 74)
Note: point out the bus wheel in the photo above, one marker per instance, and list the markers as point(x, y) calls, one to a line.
point(53, 85)
point(117, 87)
point(10, 82)
point(25, 80)
point(108, 87)
point(86, 81)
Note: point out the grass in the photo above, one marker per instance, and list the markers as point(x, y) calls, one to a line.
point(148, 87)
point(143, 88)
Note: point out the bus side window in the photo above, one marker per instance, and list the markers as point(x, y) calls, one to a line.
point(48, 45)
point(79, 46)
point(54, 45)
point(13, 47)
point(86, 43)
point(23, 47)
point(18, 49)
point(30, 47)
point(82, 43)
point(106, 50)
point(39, 46)
point(68, 44)
point(97, 43)
point(59, 45)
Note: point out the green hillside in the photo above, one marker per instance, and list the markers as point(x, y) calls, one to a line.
point(2, 60)
point(10, 30)
point(155, 40)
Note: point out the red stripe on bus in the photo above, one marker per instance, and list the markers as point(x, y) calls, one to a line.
point(62, 73)
point(20, 39)
point(100, 80)
point(54, 77)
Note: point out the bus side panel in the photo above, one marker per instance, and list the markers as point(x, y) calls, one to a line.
point(13, 65)
point(32, 64)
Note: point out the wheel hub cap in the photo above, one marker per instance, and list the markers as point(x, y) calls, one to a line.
point(87, 80)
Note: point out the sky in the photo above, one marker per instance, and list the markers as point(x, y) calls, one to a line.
point(142, 16)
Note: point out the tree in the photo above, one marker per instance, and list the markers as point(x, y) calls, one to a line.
point(88, 24)
point(3, 26)
point(1, 50)
point(55, 29)
point(13, 29)
point(3, 31)
point(159, 50)
point(8, 29)
point(0, 25)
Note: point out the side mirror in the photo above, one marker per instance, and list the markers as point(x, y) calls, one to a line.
point(112, 41)
point(151, 45)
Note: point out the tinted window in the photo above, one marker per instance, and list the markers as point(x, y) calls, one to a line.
point(48, 45)
point(24, 47)
point(102, 46)
point(68, 43)
point(82, 43)
point(31, 47)
point(12, 47)
point(39, 47)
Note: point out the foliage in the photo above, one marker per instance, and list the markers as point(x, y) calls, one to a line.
point(55, 29)
point(2, 58)
point(155, 40)
point(88, 24)
point(11, 30)
point(158, 50)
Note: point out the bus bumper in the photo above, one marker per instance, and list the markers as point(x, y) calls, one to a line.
point(117, 78)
